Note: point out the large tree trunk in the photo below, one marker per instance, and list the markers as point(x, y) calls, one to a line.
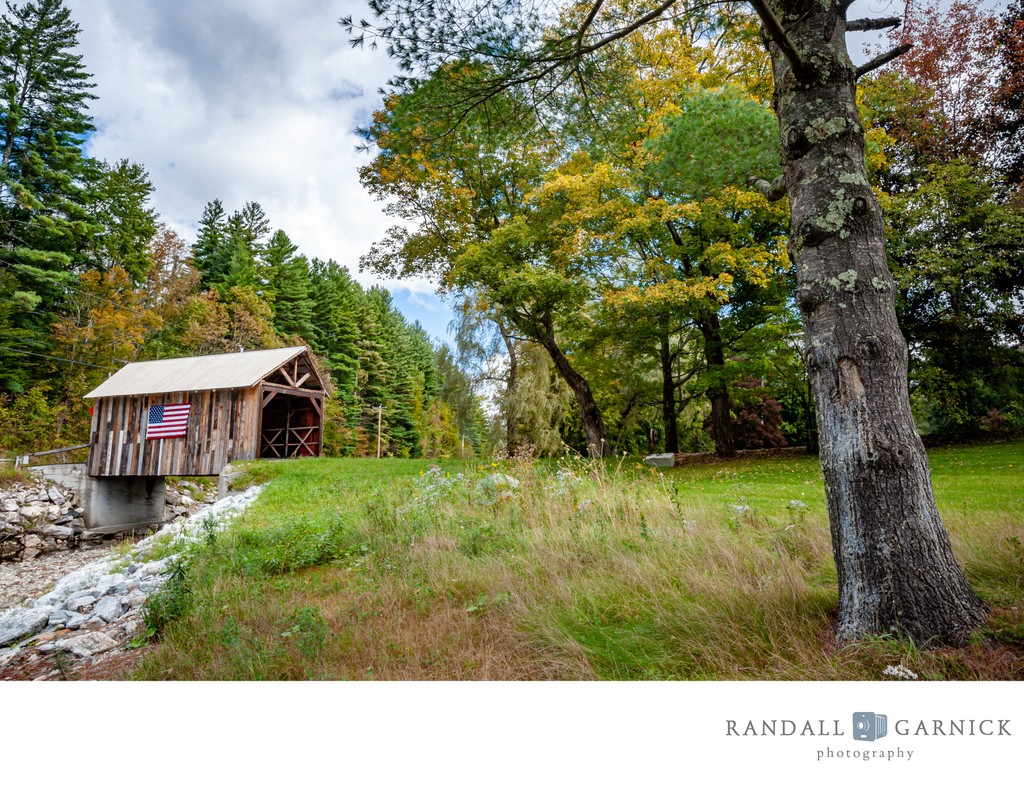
point(590, 415)
point(896, 568)
point(511, 402)
point(668, 398)
point(718, 393)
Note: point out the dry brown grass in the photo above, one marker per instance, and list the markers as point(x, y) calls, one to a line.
point(583, 574)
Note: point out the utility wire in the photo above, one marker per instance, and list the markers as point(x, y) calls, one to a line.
point(61, 360)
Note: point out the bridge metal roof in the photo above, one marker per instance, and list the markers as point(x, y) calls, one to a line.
point(205, 372)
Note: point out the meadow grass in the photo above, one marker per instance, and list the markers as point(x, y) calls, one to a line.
point(570, 570)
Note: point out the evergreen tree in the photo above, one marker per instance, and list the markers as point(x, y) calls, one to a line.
point(288, 286)
point(250, 225)
point(210, 238)
point(403, 381)
point(336, 305)
point(239, 266)
point(457, 394)
point(45, 180)
point(129, 226)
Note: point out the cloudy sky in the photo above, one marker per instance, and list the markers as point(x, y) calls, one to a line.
point(239, 100)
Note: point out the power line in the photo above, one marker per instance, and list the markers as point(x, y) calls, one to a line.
point(61, 360)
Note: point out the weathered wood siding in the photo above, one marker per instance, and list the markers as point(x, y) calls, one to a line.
point(223, 426)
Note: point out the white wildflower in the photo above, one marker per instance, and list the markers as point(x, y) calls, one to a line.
point(900, 672)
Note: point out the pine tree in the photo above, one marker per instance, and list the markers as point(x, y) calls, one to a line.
point(336, 304)
point(129, 225)
point(210, 238)
point(45, 179)
point(288, 285)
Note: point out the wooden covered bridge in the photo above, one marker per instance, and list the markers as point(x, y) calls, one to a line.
point(195, 415)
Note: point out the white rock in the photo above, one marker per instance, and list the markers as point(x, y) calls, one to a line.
point(33, 547)
point(57, 618)
point(75, 621)
point(87, 644)
point(55, 496)
point(153, 568)
point(49, 599)
point(661, 460)
point(106, 584)
point(108, 609)
point(57, 531)
point(80, 604)
point(9, 505)
point(84, 577)
point(19, 623)
point(33, 512)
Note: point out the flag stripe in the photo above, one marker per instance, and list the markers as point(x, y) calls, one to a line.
point(167, 421)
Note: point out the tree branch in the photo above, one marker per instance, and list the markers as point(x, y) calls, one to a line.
point(587, 23)
point(773, 191)
point(881, 60)
point(857, 25)
point(777, 33)
point(675, 233)
point(580, 50)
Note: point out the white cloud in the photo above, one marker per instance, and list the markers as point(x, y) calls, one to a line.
point(240, 101)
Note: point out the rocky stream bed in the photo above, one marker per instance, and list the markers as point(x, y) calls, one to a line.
point(79, 612)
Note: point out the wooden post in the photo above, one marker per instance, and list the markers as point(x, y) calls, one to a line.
point(380, 412)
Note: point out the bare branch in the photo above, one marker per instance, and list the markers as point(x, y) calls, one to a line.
point(881, 60)
point(857, 25)
point(773, 191)
point(777, 33)
point(588, 21)
point(650, 16)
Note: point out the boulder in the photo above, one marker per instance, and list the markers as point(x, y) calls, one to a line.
point(57, 531)
point(109, 584)
point(661, 460)
point(55, 496)
point(75, 621)
point(80, 604)
point(33, 547)
point(87, 644)
point(33, 513)
point(108, 609)
point(19, 623)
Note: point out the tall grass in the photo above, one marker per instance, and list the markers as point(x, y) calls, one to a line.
point(363, 569)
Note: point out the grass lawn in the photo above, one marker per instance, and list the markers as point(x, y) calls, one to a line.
point(569, 570)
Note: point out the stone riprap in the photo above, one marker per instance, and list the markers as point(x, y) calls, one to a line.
point(37, 518)
point(103, 601)
point(43, 517)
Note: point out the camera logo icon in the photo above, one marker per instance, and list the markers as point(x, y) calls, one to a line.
point(869, 726)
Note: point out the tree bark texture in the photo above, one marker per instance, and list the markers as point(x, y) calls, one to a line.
point(511, 403)
point(590, 415)
point(668, 398)
point(721, 416)
point(897, 573)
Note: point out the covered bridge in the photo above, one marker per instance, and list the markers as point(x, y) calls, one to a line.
point(193, 416)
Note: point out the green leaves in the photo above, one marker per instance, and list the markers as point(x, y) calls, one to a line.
point(719, 138)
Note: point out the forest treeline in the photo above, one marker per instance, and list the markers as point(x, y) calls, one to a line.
point(620, 276)
point(91, 279)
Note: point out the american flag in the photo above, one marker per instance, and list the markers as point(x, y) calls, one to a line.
point(167, 421)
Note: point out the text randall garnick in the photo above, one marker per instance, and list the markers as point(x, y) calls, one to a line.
point(965, 727)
